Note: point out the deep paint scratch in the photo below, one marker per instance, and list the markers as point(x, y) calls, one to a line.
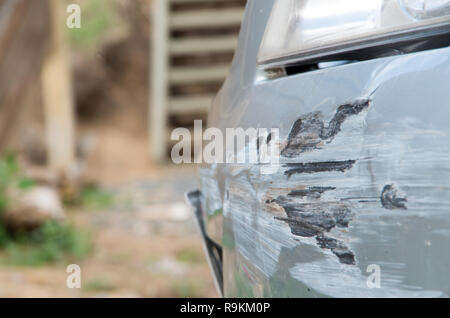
point(307, 215)
point(390, 199)
point(314, 167)
point(322, 215)
point(337, 248)
point(316, 218)
point(312, 192)
point(313, 219)
point(309, 131)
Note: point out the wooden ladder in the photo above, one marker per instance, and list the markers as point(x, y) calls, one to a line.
point(192, 48)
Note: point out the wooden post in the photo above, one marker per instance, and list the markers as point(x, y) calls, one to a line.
point(57, 95)
point(159, 75)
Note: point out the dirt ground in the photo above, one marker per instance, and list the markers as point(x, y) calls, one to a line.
point(150, 258)
point(146, 244)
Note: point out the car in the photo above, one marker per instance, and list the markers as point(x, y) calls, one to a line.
point(359, 205)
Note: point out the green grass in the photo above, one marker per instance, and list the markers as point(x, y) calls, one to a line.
point(4, 237)
point(8, 177)
point(186, 289)
point(95, 198)
point(190, 256)
point(99, 284)
point(51, 243)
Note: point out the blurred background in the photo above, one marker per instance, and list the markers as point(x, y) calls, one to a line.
point(85, 120)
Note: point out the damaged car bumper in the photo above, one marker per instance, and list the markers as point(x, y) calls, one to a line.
point(363, 180)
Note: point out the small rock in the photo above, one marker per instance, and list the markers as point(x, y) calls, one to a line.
point(33, 208)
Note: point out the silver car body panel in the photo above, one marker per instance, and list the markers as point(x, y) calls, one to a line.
point(364, 179)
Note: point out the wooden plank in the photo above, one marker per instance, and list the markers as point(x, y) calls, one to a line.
point(23, 47)
point(190, 104)
point(182, 75)
point(200, 45)
point(58, 96)
point(159, 82)
point(207, 18)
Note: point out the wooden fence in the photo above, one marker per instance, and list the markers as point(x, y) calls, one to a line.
point(192, 47)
